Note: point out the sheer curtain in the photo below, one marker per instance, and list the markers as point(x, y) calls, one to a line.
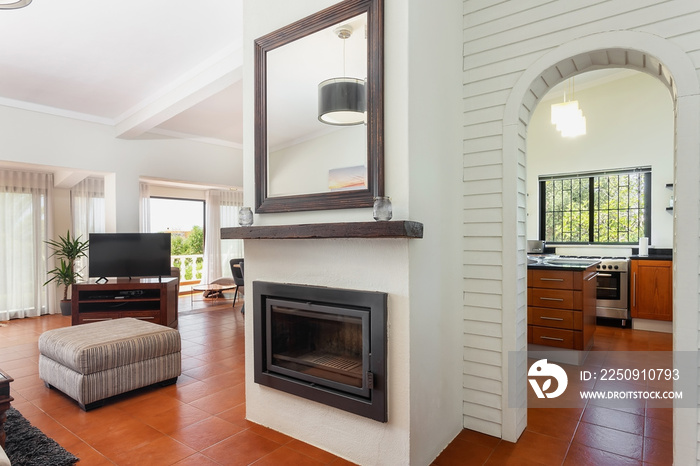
point(221, 211)
point(144, 208)
point(26, 210)
point(87, 200)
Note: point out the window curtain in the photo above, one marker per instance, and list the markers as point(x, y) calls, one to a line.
point(87, 200)
point(26, 210)
point(144, 208)
point(221, 211)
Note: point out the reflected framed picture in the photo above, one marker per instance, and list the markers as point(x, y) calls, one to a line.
point(347, 178)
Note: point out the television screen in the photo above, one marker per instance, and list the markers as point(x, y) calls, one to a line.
point(129, 254)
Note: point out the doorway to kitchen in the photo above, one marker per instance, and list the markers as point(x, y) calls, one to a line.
point(677, 73)
point(599, 195)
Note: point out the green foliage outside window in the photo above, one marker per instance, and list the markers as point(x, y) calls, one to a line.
point(596, 208)
point(191, 245)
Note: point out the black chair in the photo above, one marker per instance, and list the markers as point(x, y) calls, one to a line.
point(237, 273)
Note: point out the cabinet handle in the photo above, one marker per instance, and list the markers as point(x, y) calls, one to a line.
point(551, 338)
point(96, 320)
point(634, 289)
point(551, 279)
point(552, 299)
point(551, 318)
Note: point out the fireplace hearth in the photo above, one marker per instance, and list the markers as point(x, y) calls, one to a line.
point(323, 344)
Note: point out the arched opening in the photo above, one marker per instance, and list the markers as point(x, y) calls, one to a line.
point(670, 66)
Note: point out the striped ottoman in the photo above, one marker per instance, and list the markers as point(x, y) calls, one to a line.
point(92, 362)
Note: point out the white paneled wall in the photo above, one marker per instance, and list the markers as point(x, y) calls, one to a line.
point(514, 52)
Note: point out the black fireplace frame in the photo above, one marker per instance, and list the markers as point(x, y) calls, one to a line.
point(374, 405)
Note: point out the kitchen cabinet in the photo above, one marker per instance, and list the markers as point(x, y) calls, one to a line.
point(561, 307)
point(651, 289)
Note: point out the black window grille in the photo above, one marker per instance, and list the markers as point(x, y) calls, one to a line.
point(612, 207)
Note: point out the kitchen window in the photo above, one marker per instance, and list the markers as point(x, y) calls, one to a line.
point(611, 207)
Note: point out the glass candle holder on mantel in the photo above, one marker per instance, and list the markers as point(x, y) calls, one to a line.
point(245, 217)
point(382, 210)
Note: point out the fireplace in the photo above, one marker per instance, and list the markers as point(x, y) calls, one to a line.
point(323, 344)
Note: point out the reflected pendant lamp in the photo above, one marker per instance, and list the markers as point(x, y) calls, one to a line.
point(13, 4)
point(342, 101)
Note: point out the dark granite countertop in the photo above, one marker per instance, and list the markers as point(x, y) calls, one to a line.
point(655, 254)
point(653, 257)
point(554, 263)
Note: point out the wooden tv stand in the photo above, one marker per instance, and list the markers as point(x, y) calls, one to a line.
point(151, 299)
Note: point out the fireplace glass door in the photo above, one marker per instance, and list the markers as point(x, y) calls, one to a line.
point(323, 345)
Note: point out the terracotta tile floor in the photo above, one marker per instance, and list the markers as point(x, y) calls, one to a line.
point(201, 419)
point(592, 433)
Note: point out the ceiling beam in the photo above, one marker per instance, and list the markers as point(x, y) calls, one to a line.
point(66, 179)
point(212, 76)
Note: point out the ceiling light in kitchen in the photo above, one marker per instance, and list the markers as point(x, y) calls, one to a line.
point(568, 117)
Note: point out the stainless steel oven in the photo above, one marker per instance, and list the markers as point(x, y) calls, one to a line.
point(612, 290)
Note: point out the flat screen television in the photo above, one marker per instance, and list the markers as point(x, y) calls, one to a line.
point(129, 255)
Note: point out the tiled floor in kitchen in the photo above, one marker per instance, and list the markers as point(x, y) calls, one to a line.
point(597, 432)
point(200, 420)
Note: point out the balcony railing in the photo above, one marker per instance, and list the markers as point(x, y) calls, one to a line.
point(190, 267)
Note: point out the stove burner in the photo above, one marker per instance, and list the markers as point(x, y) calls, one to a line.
point(608, 263)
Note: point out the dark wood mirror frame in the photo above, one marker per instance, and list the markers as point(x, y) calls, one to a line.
point(375, 109)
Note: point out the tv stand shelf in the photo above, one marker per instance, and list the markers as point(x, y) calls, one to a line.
point(151, 299)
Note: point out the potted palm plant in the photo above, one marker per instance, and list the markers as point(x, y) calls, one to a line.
point(67, 250)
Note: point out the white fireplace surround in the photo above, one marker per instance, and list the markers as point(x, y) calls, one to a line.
point(363, 264)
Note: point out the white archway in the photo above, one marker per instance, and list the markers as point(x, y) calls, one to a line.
point(620, 49)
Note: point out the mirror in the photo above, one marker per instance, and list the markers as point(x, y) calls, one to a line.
point(301, 162)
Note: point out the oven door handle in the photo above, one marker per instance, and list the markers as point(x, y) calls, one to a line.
point(594, 276)
point(604, 274)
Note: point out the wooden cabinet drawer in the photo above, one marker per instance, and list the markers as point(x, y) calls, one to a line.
point(542, 297)
point(554, 279)
point(559, 338)
point(554, 318)
point(87, 317)
point(152, 316)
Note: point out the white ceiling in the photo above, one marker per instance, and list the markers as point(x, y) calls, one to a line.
point(169, 67)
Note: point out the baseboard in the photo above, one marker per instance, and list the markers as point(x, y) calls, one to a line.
point(661, 326)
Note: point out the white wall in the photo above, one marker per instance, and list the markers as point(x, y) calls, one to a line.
point(303, 168)
point(511, 50)
point(629, 124)
point(422, 176)
point(434, 147)
point(36, 138)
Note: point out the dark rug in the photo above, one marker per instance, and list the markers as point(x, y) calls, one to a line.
point(26, 445)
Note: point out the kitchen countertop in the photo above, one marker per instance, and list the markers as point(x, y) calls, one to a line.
point(557, 263)
point(660, 254)
point(653, 257)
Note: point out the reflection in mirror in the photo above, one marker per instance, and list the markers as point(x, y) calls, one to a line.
point(303, 151)
point(303, 163)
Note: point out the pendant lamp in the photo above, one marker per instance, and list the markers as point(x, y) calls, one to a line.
point(567, 117)
point(13, 4)
point(342, 100)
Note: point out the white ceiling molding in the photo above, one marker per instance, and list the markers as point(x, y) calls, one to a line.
point(192, 137)
point(32, 107)
point(155, 181)
point(211, 77)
